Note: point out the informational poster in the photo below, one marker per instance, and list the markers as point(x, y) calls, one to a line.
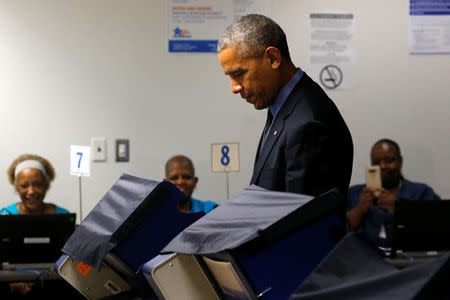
point(332, 50)
point(196, 25)
point(243, 7)
point(429, 27)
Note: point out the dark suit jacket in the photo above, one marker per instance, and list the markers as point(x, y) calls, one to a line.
point(309, 149)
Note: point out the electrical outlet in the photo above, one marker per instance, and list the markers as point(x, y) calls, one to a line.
point(98, 149)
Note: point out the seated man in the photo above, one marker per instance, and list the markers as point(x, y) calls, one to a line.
point(370, 213)
point(180, 171)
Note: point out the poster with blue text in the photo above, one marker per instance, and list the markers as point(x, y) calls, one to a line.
point(429, 27)
point(196, 25)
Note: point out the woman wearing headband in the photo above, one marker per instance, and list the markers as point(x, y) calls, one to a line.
point(31, 176)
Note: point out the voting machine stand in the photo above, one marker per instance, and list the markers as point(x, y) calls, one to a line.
point(128, 227)
point(258, 245)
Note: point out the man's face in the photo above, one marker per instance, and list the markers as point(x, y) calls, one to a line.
point(183, 178)
point(390, 162)
point(254, 78)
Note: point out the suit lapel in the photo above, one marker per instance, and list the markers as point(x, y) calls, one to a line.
point(258, 151)
point(276, 130)
point(272, 137)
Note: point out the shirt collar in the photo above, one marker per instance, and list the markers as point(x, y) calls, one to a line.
point(284, 93)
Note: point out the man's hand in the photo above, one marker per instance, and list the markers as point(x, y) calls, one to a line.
point(22, 288)
point(386, 200)
point(357, 214)
point(366, 199)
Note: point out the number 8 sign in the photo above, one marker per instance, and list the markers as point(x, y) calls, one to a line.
point(80, 160)
point(225, 157)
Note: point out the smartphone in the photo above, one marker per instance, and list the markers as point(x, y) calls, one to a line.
point(373, 177)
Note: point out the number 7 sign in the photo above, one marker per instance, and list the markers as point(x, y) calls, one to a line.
point(80, 160)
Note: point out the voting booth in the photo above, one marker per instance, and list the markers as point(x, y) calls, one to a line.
point(355, 269)
point(259, 244)
point(128, 227)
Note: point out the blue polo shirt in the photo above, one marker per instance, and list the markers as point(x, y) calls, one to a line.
point(12, 210)
point(204, 206)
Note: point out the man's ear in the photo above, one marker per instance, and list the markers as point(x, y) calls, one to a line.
point(273, 56)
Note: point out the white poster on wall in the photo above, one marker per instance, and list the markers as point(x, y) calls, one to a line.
point(429, 27)
point(332, 50)
point(196, 25)
point(243, 7)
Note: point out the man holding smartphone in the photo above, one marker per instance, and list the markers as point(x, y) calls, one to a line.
point(369, 207)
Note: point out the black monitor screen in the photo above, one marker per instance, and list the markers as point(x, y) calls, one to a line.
point(421, 225)
point(34, 238)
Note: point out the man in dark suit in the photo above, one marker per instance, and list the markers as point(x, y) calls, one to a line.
point(305, 146)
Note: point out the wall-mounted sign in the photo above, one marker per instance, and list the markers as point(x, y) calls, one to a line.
point(80, 160)
point(332, 50)
point(196, 25)
point(225, 157)
point(429, 27)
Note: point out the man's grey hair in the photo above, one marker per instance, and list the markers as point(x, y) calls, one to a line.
point(252, 34)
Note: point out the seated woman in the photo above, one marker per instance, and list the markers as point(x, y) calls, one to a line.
point(180, 171)
point(31, 176)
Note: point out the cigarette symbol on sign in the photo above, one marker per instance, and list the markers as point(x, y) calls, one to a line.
point(331, 76)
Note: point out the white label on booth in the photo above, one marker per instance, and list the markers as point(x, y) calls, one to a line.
point(225, 157)
point(80, 160)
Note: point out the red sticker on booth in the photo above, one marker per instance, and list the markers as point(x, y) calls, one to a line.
point(83, 268)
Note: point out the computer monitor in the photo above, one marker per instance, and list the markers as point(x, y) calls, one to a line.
point(421, 225)
point(34, 238)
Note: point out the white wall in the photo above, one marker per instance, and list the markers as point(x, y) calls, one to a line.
point(72, 70)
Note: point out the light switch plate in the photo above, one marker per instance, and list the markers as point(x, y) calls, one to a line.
point(98, 148)
point(122, 150)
